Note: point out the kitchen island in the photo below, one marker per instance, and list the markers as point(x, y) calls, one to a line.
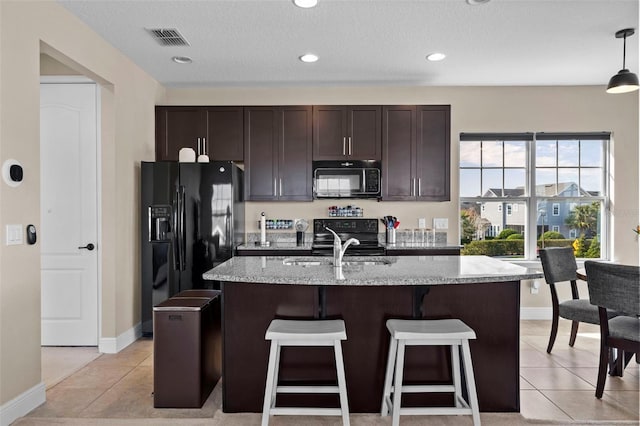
point(482, 291)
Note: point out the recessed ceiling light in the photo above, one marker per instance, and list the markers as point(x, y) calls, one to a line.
point(305, 3)
point(309, 57)
point(182, 59)
point(475, 2)
point(434, 57)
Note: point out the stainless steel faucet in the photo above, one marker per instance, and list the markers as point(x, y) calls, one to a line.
point(338, 248)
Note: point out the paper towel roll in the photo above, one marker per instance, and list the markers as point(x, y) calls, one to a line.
point(263, 229)
point(203, 158)
point(187, 155)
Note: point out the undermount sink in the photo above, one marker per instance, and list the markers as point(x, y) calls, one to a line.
point(307, 261)
point(328, 261)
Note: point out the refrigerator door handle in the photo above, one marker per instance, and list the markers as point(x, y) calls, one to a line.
point(183, 240)
point(149, 217)
point(176, 233)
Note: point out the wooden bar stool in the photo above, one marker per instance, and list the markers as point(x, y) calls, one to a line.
point(449, 332)
point(304, 333)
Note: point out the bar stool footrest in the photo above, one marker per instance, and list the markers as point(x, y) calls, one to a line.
point(308, 389)
point(426, 388)
point(437, 411)
point(304, 411)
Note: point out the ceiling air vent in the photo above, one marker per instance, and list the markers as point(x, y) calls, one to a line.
point(168, 37)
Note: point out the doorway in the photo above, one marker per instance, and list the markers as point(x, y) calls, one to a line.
point(69, 129)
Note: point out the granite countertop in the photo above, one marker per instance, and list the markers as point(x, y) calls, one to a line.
point(369, 271)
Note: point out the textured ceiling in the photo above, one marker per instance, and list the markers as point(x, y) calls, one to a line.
point(371, 42)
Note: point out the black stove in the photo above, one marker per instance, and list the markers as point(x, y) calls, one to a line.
point(365, 230)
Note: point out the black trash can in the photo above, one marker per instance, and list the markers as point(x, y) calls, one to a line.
point(186, 349)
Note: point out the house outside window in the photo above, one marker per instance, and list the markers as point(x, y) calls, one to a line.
point(547, 181)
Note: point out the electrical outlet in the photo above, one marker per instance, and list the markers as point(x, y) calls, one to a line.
point(422, 223)
point(440, 223)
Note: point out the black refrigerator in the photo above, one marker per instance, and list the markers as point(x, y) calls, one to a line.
point(192, 219)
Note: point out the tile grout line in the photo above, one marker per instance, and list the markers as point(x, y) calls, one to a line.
point(111, 387)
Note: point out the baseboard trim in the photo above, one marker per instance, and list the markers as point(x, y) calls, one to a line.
point(113, 345)
point(536, 313)
point(22, 404)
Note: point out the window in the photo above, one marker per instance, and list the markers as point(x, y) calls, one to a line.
point(547, 181)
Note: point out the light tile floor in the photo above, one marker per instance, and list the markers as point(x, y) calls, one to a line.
point(557, 387)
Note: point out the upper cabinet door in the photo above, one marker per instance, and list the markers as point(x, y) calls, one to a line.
point(295, 180)
point(364, 132)
point(398, 156)
point(433, 147)
point(346, 132)
point(261, 153)
point(178, 127)
point(329, 132)
point(225, 139)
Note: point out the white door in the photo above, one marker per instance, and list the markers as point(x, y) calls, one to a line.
point(68, 202)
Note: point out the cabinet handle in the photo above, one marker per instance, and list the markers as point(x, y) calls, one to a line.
point(198, 149)
point(349, 145)
point(275, 188)
point(419, 187)
point(344, 146)
point(204, 146)
point(280, 186)
point(413, 187)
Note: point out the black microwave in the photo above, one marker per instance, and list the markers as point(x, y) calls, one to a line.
point(346, 179)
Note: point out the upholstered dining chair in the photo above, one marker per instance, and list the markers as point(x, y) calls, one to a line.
point(559, 265)
point(615, 287)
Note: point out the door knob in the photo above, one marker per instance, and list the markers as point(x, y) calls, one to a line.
point(88, 247)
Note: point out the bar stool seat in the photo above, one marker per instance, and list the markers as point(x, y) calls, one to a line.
point(445, 332)
point(304, 333)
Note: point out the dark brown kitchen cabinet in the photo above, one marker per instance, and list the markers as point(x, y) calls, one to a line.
point(220, 129)
point(416, 153)
point(277, 147)
point(347, 132)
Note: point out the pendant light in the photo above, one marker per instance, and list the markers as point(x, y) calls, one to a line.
point(625, 81)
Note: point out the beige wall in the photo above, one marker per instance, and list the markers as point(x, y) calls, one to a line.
point(27, 29)
point(473, 109)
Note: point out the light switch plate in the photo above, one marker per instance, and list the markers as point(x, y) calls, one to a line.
point(14, 235)
point(422, 223)
point(440, 223)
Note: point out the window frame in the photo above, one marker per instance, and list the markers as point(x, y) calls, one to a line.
point(530, 200)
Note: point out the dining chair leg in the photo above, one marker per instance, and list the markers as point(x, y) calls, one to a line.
point(574, 332)
point(554, 331)
point(602, 370)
